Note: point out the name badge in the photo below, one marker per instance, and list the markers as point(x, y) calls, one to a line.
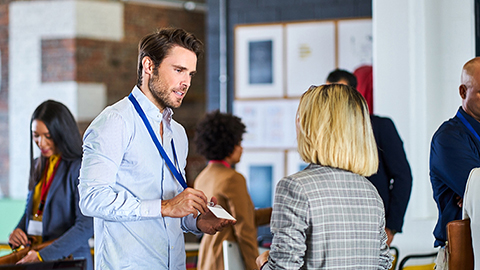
point(34, 227)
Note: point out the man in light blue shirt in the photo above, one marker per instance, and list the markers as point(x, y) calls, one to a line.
point(140, 208)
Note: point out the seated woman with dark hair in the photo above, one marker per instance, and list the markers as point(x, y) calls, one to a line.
point(218, 138)
point(52, 211)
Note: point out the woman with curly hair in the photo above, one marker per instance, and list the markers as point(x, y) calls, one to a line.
point(218, 138)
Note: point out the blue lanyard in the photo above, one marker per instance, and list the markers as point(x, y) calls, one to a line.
point(170, 165)
point(467, 124)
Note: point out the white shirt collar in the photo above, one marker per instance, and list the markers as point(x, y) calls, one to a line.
point(151, 110)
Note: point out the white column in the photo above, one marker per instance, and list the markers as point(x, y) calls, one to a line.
point(30, 22)
point(419, 49)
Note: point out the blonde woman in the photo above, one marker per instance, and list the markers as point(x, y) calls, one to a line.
point(329, 216)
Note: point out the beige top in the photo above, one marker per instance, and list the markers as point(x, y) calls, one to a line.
point(230, 189)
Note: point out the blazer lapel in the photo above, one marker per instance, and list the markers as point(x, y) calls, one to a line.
point(57, 180)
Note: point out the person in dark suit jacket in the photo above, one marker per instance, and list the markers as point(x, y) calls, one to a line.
point(52, 211)
point(393, 179)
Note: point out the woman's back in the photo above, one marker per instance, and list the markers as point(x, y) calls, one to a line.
point(330, 216)
point(337, 217)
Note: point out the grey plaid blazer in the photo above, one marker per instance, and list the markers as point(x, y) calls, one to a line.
point(328, 218)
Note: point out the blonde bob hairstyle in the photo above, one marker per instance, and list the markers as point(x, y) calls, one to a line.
point(334, 129)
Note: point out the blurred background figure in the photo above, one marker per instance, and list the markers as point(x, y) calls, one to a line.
point(218, 138)
point(52, 210)
point(393, 179)
point(329, 211)
point(342, 76)
point(364, 76)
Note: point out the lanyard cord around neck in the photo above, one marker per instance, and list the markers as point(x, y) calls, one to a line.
point(162, 152)
point(46, 186)
point(221, 162)
point(467, 124)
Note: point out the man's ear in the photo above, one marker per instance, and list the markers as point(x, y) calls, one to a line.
point(462, 90)
point(147, 65)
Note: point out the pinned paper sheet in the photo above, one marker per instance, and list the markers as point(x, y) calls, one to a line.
point(219, 212)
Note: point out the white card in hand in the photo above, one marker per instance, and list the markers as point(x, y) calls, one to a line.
point(219, 212)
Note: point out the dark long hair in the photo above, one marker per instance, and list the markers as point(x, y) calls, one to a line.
point(64, 133)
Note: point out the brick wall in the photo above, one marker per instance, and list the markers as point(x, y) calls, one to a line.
point(58, 60)
point(4, 142)
point(111, 63)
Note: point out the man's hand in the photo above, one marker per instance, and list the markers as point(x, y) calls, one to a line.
point(30, 258)
point(190, 201)
point(262, 259)
point(208, 223)
point(17, 238)
point(390, 235)
point(459, 201)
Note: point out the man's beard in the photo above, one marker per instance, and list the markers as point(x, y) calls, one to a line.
point(160, 92)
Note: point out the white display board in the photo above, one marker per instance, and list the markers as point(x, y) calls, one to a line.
point(274, 65)
point(310, 55)
point(355, 39)
point(259, 61)
point(270, 123)
point(262, 170)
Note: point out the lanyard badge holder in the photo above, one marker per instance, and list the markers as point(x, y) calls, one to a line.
point(35, 226)
point(217, 210)
point(162, 152)
point(467, 124)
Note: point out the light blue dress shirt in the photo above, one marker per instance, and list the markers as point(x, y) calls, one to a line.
point(123, 179)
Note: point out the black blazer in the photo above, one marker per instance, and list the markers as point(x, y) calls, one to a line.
point(393, 164)
point(62, 219)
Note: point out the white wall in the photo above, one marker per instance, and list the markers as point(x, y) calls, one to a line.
point(419, 49)
point(30, 22)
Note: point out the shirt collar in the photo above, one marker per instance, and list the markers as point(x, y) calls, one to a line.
point(475, 124)
point(151, 110)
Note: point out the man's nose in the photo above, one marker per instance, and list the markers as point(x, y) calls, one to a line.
point(187, 81)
